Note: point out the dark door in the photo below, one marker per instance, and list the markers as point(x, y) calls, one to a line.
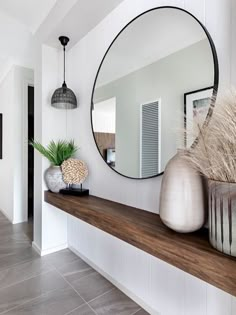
point(30, 152)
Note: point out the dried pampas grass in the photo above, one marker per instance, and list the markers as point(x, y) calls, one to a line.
point(214, 154)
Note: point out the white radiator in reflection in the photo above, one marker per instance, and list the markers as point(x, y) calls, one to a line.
point(150, 139)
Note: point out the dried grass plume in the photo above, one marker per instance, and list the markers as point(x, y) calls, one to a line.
point(214, 155)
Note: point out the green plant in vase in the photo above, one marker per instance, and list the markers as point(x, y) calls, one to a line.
point(56, 153)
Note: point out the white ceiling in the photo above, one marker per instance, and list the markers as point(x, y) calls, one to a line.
point(22, 20)
point(5, 66)
point(31, 13)
point(81, 19)
point(151, 37)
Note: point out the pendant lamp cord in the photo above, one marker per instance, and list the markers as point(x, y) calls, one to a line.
point(64, 65)
point(65, 84)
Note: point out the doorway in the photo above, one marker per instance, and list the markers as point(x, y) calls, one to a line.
point(30, 153)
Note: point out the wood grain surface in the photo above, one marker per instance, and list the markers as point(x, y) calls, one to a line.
point(189, 252)
point(105, 141)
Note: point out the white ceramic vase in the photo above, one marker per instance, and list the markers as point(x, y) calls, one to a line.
point(54, 179)
point(183, 199)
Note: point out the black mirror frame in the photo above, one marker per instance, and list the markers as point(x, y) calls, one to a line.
point(215, 85)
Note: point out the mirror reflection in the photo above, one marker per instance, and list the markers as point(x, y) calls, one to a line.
point(158, 69)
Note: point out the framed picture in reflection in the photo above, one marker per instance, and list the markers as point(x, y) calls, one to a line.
point(111, 157)
point(196, 107)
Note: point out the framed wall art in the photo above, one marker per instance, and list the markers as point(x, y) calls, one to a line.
point(196, 107)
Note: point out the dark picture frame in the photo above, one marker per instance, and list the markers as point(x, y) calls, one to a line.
point(196, 107)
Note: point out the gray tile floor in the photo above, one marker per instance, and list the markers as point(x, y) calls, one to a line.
point(57, 284)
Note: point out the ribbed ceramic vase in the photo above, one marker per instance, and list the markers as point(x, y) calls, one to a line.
point(222, 216)
point(183, 199)
point(54, 179)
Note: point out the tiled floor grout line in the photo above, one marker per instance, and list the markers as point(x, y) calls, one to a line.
point(44, 294)
point(11, 238)
point(19, 263)
point(71, 286)
point(39, 274)
point(7, 256)
point(92, 309)
point(74, 309)
point(93, 298)
point(98, 298)
point(62, 266)
point(79, 308)
point(80, 295)
point(101, 295)
point(12, 308)
point(42, 268)
point(136, 311)
point(77, 259)
point(83, 277)
point(28, 301)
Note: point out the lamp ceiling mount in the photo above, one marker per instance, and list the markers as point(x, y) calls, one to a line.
point(64, 40)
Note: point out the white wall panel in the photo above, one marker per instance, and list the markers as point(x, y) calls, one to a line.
point(162, 287)
point(218, 302)
point(13, 107)
point(233, 44)
point(195, 296)
point(50, 224)
point(233, 302)
point(197, 8)
point(166, 288)
point(218, 23)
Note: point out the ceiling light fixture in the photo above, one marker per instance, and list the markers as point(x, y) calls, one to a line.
point(64, 98)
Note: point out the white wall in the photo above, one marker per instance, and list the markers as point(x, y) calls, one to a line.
point(16, 44)
point(22, 78)
point(160, 286)
point(104, 116)
point(50, 226)
point(6, 169)
point(17, 51)
point(13, 90)
point(157, 286)
point(84, 60)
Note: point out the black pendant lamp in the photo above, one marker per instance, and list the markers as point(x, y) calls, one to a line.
point(64, 98)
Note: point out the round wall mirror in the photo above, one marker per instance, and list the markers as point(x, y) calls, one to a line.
point(157, 78)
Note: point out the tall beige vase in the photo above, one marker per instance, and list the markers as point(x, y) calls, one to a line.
point(183, 199)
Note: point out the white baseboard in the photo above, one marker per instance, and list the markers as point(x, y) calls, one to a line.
point(7, 216)
point(117, 284)
point(13, 221)
point(36, 248)
point(49, 250)
point(17, 222)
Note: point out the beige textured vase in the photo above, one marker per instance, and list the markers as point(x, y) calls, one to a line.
point(54, 179)
point(222, 216)
point(183, 199)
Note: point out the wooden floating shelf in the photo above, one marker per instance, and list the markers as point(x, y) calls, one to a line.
point(191, 253)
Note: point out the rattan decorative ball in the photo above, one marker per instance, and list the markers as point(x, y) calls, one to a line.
point(74, 171)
